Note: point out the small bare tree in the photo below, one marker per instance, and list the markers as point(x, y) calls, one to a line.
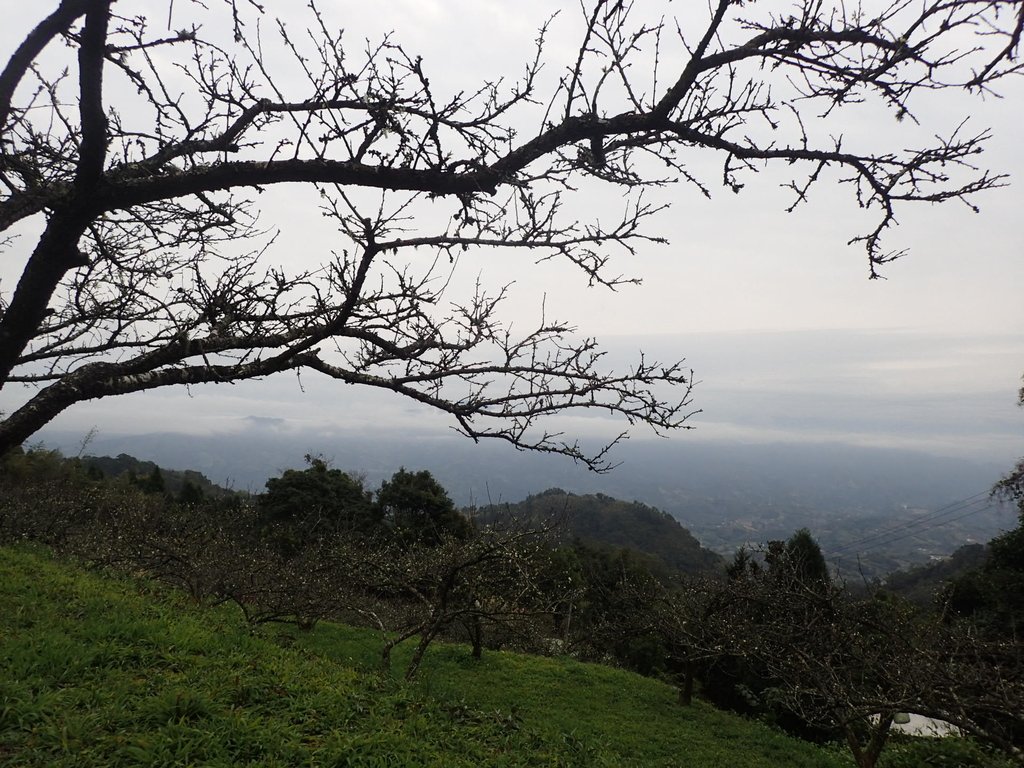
point(488, 578)
point(850, 665)
point(136, 163)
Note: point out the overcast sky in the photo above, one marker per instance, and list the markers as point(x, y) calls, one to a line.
point(773, 311)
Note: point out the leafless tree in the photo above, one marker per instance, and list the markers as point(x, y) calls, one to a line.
point(489, 578)
point(852, 664)
point(137, 162)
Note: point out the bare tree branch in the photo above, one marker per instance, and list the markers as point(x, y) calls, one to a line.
point(143, 166)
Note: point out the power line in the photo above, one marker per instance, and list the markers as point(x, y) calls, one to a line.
point(944, 522)
point(924, 522)
point(949, 509)
point(919, 525)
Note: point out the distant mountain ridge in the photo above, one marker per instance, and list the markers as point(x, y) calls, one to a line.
point(726, 494)
point(594, 519)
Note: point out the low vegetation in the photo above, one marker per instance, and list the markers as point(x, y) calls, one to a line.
point(112, 672)
point(772, 637)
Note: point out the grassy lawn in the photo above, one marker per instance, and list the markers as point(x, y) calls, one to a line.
point(97, 671)
point(632, 718)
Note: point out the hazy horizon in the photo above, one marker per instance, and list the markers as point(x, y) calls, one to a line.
point(789, 340)
point(935, 393)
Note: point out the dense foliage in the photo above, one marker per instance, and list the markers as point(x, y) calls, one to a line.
point(926, 584)
point(993, 594)
point(186, 485)
point(419, 509)
point(319, 498)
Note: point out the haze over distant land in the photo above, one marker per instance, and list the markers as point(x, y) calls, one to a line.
point(820, 390)
point(726, 493)
point(942, 394)
point(797, 428)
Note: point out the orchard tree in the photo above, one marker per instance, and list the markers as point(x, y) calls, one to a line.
point(487, 577)
point(135, 139)
point(822, 659)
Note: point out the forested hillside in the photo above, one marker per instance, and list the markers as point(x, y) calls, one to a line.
point(925, 584)
point(188, 482)
point(725, 494)
point(598, 519)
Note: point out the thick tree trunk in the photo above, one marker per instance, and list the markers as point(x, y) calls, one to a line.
point(686, 689)
point(476, 634)
point(426, 638)
point(55, 254)
point(385, 654)
point(866, 756)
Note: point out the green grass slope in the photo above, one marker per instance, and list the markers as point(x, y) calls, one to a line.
point(96, 671)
